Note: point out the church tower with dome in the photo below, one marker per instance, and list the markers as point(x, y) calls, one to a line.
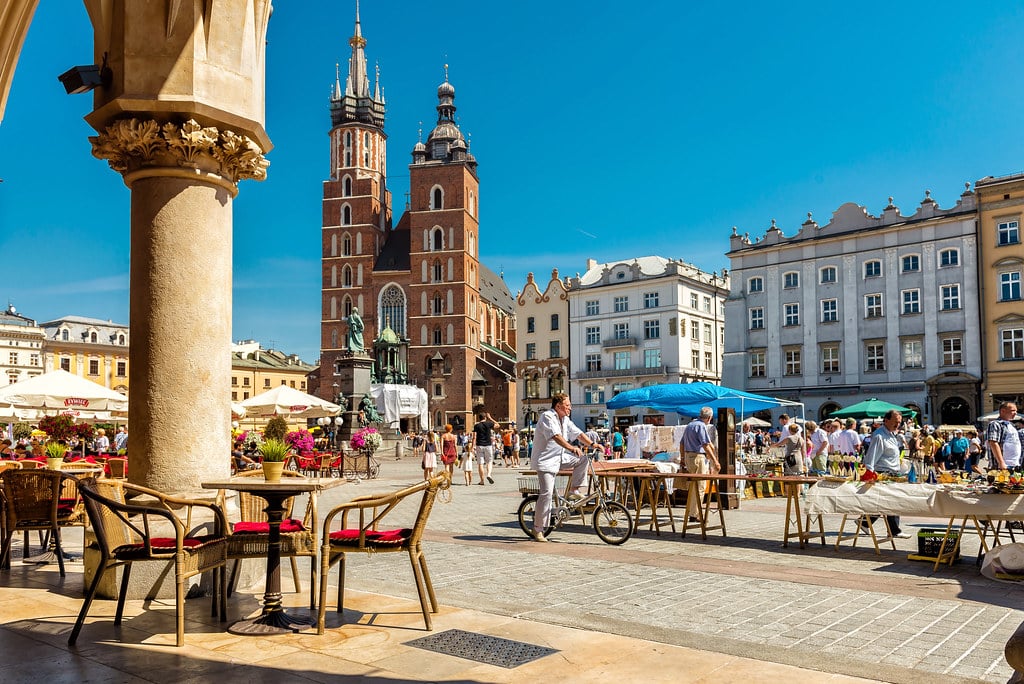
point(449, 321)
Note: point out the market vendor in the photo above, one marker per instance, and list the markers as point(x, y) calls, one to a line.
point(883, 457)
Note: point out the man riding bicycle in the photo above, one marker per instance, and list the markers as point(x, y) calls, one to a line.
point(553, 450)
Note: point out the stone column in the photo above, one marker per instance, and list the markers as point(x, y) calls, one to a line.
point(181, 117)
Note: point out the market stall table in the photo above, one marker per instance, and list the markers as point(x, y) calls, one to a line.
point(947, 501)
point(274, 619)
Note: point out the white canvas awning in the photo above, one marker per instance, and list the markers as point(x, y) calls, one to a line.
point(400, 401)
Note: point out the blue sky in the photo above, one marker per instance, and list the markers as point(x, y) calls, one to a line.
point(603, 130)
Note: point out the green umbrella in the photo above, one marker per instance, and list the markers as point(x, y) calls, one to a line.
point(872, 408)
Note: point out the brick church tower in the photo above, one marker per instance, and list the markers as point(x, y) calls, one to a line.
point(420, 280)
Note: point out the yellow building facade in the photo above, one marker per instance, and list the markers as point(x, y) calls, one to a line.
point(90, 348)
point(255, 370)
point(1001, 267)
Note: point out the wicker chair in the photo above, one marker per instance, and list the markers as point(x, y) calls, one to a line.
point(118, 467)
point(364, 535)
point(32, 502)
point(126, 534)
point(250, 536)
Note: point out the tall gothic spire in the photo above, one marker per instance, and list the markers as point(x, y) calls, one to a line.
point(356, 102)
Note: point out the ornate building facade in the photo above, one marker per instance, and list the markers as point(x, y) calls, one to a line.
point(419, 280)
point(21, 347)
point(88, 347)
point(542, 368)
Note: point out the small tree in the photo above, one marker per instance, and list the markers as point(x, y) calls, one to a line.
point(277, 428)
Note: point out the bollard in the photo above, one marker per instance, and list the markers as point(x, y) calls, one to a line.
point(399, 450)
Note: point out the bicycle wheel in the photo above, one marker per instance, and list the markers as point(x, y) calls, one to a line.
point(613, 523)
point(525, 515)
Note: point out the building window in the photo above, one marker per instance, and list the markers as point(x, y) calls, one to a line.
point(593, 335)
point(708, 362)
point(33, 359)
point(693, 300)
point(93, 338)
point(556, 384)
point(554, 321)
point(622, 359)
point(952, 351)
point(755, 284)
point(829, 310)
point(346, 245)
point(64, 335)
point(438, 389)
point(695, 359)
point(1008, 233)
point(621, 387)
point(949, 257)
point(266, 382)
point(911, 263)
point(593, 394)
point(437, 336)
point(707, 305)
point(652, 330)
point(650, 300)
point(1009, 286)
point(438, 272)
point(874, 359)
point(790, 280)
point(757, 318)
point(707, 334)
point(593, 362)
point(533, 386)
point(554, 349)
point(120, 340)
point(872, 269)
point(873, 306)
point(950, 297)
point(913, 354)
point(620, 331)
point(792, 362)
point(652, 358)
point(13, 358)
point(621, 304)
point(65, 364)
point(122, 369)
point(530, 325)
point(829, 274)
point(911, 301)
point(830, 358)
point(757, 365)
point(1012, 344)
point(531, 351)
point(245, 382)
point(347, 187)
point(792, 314)
point(392, 310)
point(94, 367)
point(346, 215)
point(695, 330)
point(593, 307)
point(437, 199)
point(436, 307)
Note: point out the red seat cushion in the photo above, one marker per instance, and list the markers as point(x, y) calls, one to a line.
point(290, 525)
point(350, 537)
point(163, 545)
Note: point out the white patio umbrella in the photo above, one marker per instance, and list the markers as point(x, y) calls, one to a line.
point(755, 422)
point(288, 402)
point(59, 391)
point(237, 411)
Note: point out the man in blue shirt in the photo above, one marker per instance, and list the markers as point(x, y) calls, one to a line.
point(883, 456)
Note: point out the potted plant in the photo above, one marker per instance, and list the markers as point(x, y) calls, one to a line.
point(55, 452)
point(274, 453)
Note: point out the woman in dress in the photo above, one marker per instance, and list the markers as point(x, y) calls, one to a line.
point(429, 454)
point(449, 450)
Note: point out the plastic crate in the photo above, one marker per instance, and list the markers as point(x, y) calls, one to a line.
point(930, 541)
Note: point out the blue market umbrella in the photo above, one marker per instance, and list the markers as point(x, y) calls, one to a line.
point(688, 399)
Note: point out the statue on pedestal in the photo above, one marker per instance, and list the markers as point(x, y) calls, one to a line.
point(354, 337)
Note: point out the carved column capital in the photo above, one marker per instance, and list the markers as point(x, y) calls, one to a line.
point(138, 148)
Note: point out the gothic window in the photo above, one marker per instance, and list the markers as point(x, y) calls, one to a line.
point(366, 149)
point(346, 245)
point(346, 276)
point(437, 198)
point(346, 215)
point(435, 309)
point(392, 309)
point(438, 271)
point(346, 189)
point(346, 306)
point(437, 239)
point(437, 336)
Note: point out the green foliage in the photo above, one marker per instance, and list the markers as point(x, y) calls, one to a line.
point(22, 431)
point(277, 428)
point(274, 450)
point(55, 449)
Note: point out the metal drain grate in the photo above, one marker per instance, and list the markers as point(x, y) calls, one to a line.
point(482, 648)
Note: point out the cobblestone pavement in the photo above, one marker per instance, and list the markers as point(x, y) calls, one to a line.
point(846, 611)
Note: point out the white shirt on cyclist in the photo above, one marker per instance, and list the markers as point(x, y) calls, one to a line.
point(547, 452)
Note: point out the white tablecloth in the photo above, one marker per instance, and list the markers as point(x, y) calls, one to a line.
point(923, 500)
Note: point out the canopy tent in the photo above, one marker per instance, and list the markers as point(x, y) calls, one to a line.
point(687, 399)
point(289, 403)
point(872, 408)
point(401, 401)
point(755, 422)
point(59, 391)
